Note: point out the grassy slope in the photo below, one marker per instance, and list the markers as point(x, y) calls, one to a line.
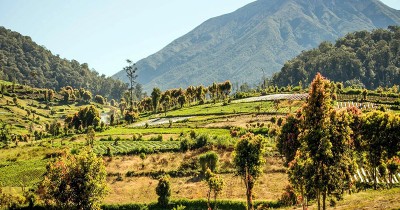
point(23, 165)
point(370, 199)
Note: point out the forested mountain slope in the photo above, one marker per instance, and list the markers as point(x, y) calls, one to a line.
point(263, 34)
point(372, 58)
point(24, 61)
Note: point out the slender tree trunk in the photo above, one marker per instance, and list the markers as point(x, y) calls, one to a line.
point(249, 187)
point(323, 200)
point(374, 176)
point(303, 199)
point(215, 200)
point(208, 198)
point(318, 199)
point(249, 199)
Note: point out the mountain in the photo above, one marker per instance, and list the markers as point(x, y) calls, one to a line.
point(24, 61)
point(258, 37)
point(369, 59)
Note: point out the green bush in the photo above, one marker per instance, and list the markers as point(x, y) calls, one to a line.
point(185, 144)
point(163, 191)
point(208, 160)
point(201, 141)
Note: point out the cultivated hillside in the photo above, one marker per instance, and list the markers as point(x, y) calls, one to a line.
point(263, 34)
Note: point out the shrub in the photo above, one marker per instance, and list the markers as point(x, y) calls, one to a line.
point(201, 141)
point(63, 186)
point(288, 198)
point(189, 165)
point(157, 138)
point(193, 134)
point(99, 99)
point(163, 191)
point(185, 145)
point(208, 160)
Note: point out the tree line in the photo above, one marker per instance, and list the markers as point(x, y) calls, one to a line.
point(371, 59)
point(25, 62)
point(177, 98)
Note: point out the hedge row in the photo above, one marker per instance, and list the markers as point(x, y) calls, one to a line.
point(200, 204)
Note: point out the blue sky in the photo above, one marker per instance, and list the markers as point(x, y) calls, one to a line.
point(104, 33)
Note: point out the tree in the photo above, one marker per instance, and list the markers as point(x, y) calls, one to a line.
point(165, 100)
point(5, 132)
point(325, 151)
point(55, 128)
point(131, 115)
point(75, 181)
point(248, 160)
point(155, 98)
point(380, 138)
point(88, 116)
point(66, 96)
point(182, 100)
point(99, 99)
point(393, 166)
point(90, 135)
point(131, 73)
point(163, 191)
point(226, 88)
point(87, 96)
point(288, 142)
point(213, 89)
point(200, 92)
point(215, 184)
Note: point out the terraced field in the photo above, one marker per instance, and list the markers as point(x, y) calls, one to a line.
point(136, 147)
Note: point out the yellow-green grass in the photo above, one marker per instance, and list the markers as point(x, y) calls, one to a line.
point(384, 199)
point(270, 185)
point(142, 189)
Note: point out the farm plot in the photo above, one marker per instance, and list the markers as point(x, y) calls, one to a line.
point(136, 147)
point(24, 173)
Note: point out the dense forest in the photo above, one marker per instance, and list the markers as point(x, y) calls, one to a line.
point(25, 62)
point(369, 59)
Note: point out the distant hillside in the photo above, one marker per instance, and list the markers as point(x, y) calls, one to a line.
point(26, 62)
point(372, 58)
point(263, 34)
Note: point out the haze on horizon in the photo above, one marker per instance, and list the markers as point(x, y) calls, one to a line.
point(105, 33)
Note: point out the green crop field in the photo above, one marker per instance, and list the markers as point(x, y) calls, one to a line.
point(22, 173)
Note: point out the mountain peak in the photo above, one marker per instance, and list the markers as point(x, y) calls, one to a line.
point(263, 34)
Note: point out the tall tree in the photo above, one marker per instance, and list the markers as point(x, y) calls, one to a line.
point(288, 138)
point(325, 137)
point(131, 73)
point(155, 97)
point(248, 161)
